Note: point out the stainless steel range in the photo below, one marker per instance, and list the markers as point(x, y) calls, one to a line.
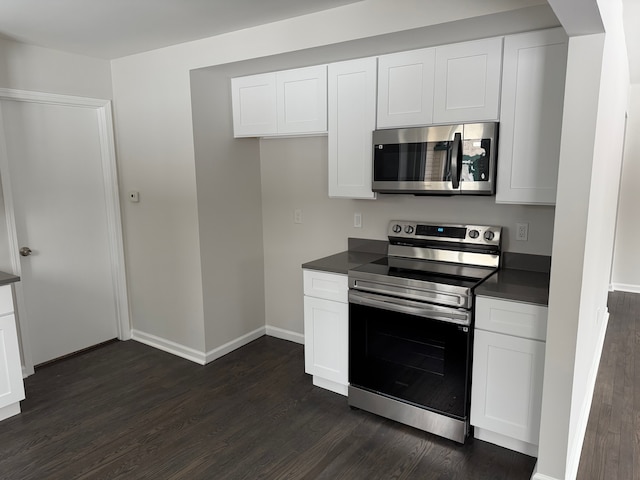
point(410, 324)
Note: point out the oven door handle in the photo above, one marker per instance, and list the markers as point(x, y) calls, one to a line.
point(456, 161)
point(419, 309)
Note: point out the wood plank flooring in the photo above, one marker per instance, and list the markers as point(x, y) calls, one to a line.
point(611, 449)
point(128, 411)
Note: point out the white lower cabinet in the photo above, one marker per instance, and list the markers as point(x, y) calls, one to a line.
point(508, 370)
point(11, 385)
point(326, 330)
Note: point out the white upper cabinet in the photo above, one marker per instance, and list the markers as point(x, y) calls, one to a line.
point(302, 100)
point(531, 117)
point(467, 81)
point(254, 105)
point(289, 102)
point(405, 88)
point(352, 119)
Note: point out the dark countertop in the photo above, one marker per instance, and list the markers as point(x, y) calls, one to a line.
point(360, 251)
point(522, 278)
point(518, 285)
point(342, 262)
point(7, 278)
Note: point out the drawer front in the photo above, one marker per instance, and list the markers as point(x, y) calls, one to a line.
point(330, 286)
point(511, 318)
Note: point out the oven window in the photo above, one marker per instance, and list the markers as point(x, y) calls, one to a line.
point(412, 162)
point(475, 160)
point(416, 360)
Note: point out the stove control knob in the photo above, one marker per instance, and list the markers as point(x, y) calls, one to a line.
point(488, 235)
point(396, 228)
point(474, 233)
point(408, 229)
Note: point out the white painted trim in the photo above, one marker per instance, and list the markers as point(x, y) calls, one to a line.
point(285, 334)
point(505, 441)
point(234, 344)
point(168, 346)
point(112, 200)
point(625, 287)
point(9, 411)
point(330, 385)
point(573, 457)
point(540, 476)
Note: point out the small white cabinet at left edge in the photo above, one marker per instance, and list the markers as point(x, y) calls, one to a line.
point(289, 102)
point(11, 385)
point(326, 329)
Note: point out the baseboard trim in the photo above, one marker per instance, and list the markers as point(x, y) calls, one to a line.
point(285, 334)
point(9, 410)
point(229, 347)
point(505, 442)
point(573, 457)
point(625, 287)
point(168, 346)
point(540, 476)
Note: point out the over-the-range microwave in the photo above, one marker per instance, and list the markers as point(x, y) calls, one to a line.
point(436, 160)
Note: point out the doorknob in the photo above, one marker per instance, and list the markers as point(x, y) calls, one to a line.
point(25, 251)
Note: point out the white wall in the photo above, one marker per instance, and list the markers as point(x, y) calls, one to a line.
point(294, 176)
point(626, 265)
point(156, 152)
point(590, 161)
point(26, 67)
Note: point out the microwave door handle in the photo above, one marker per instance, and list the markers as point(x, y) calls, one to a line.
point(456, 160)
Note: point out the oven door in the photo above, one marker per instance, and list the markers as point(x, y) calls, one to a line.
point(415, 355)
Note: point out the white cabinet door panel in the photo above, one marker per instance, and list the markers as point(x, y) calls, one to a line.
point(512, 318)
point(11, 385)
point(405, 88)
point(302, 100)
point(531, 117)
point(467, 81)
point(330, 286)
point(506, 392)
point(352, 119)
point(326, 333)
point(254, 105)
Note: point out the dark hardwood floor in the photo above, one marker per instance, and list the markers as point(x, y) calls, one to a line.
point(611, 448)
point(128, 411)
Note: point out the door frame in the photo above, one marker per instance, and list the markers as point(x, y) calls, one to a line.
point(112, 202)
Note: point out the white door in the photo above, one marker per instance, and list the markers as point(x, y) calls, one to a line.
point(54, 158)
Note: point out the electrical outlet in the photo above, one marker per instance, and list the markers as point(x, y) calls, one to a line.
point(357, 220)
point(522, 231)
point(297, 216)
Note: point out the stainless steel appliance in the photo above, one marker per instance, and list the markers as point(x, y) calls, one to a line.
point(410, 324)
point(437, 160)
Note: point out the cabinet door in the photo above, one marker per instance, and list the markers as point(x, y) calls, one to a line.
point(330, 286)
point(405, 88)
point(531, 117)
point(512, 318)
point(326, 332)
point(506, 392)
point(467, 81)
point(254, 105)
point(302, 100)
point(352, 119)
point(11, 386)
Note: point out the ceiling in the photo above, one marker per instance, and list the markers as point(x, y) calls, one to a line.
point(116, 28)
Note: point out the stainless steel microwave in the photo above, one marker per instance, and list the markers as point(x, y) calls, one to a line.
point(437, 160)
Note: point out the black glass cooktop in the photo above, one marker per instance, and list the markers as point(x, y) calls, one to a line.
point(427, 271)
